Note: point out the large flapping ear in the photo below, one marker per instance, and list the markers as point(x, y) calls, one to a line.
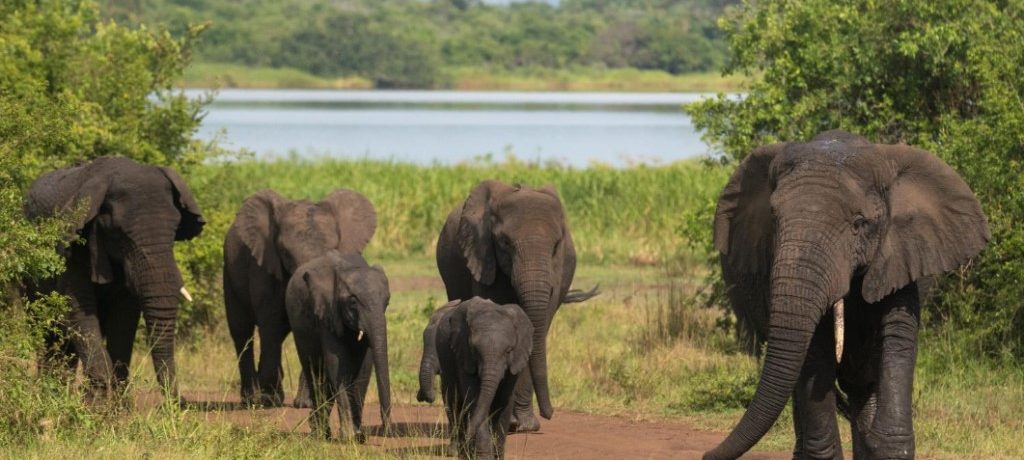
point(458, 339)
point(475, 236)
point(356, 218)
point(192, 221)
point(519, 356)
point(90, 195)
point(258, 229)
point(935, 222)
point(744, 234)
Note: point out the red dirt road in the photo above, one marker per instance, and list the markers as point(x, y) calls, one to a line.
point(418, 432)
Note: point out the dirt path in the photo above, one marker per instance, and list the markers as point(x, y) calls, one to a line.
point(419, 432)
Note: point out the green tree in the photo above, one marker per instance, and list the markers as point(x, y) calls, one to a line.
point(944, 75)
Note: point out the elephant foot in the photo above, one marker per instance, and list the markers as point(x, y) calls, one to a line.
point(271, 400)
point(302, 402)
point(524, 422)
point(360, 437)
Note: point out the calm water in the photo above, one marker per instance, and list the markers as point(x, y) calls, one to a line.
point(454, 126)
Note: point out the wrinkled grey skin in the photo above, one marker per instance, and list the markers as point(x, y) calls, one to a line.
point(270, 237)
point(802, 225)
point(482, 349)
point(429, 367)
point(511, 244)
point(329, 301)
point(133, 214)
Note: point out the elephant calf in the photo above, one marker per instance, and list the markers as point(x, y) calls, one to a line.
point(336, 304)
point(482, 348)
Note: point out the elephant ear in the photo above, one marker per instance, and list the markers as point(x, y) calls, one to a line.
point(258, 230)
point(519, 356)
point(475, 237)
point(935, 222)
point(458, 339)
point(744, 231)
point(91, 196)
point(356, 218)
point(192, 221)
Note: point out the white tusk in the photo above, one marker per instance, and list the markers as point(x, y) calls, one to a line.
point(360, 337)
point(185, 295)
point(837, 311)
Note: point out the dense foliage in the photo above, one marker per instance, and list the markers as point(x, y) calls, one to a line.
point(943, 75)
point(414, 43)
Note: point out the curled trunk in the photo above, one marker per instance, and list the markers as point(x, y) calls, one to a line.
point(801, 292)
point(428, 366)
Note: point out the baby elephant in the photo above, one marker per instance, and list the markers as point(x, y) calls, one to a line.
point(336, 306)
point(482, 348)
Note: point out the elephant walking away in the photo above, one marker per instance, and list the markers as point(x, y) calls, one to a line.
point(336, 306)
point(133, 214)
point(512, 245)
point(269, 239)
point(482, 349)
point(822, 246)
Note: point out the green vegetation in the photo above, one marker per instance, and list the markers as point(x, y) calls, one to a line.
point(73, 87)
point(424, 44)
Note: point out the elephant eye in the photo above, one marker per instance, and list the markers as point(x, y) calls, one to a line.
point(859, 222)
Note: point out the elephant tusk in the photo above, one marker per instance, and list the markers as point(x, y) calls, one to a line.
point(837, 311)
point(185, 295)
point(359, 338)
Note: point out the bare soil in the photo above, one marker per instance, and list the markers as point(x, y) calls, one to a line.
point(419, 431)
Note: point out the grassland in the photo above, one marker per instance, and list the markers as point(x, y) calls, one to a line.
point(218, 75)
point(642, 349)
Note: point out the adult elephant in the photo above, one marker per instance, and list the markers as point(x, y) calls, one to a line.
point(129, 215)
point(843, 226)
point(270, 237)
point(511, 244)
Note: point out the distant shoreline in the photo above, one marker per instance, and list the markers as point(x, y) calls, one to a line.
point(205, 75)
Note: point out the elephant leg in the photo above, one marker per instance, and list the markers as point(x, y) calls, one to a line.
point(814, 400)
point(85, 334)
point(311, 358)
point(891, 433)
point(269, 371)
point(502, 415)
point(450, 397)
point(340, 374)
point(242, 326)
point(523, 418)
point(302, 399)
point(58, 357)
point(120, 321)
point(358, 367)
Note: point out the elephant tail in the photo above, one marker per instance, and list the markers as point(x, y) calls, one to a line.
point(579, 295)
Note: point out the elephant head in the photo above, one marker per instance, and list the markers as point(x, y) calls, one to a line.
point(522, 233)
point(129, 214)
point(489, 341)
point(349, 299)
point(283, 234)
point(802, 221)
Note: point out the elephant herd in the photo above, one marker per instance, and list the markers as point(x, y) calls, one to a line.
point(823, 244)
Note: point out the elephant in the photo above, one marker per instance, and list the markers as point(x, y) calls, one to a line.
point(270, 237)
point(336, 304)
point(844, 226)
point(429, 367)
point(482, 349)
point(511, 244)
point(129, 215)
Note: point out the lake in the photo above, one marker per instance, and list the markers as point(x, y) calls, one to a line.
point(572, 128)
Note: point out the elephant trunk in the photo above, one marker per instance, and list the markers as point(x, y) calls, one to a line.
point(489, 381)
point(379, 347)
point(801, 294)
point(532, 280)
point(154, 277)
point(428, 366)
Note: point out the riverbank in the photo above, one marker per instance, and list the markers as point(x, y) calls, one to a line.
point(220, 75)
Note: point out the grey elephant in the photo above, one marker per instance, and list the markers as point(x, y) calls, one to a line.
point(269, 239)
point(511, 244)
point(133, 214)
point(482, 349)
point(429, 367)
point(336, 304)
point(822, 245)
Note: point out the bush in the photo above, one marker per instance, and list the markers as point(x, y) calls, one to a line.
point(943, 75)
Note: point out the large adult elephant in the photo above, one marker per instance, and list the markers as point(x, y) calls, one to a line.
point(129, 215)
point(270, 237)
point(843, 229)
point(511, 244)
